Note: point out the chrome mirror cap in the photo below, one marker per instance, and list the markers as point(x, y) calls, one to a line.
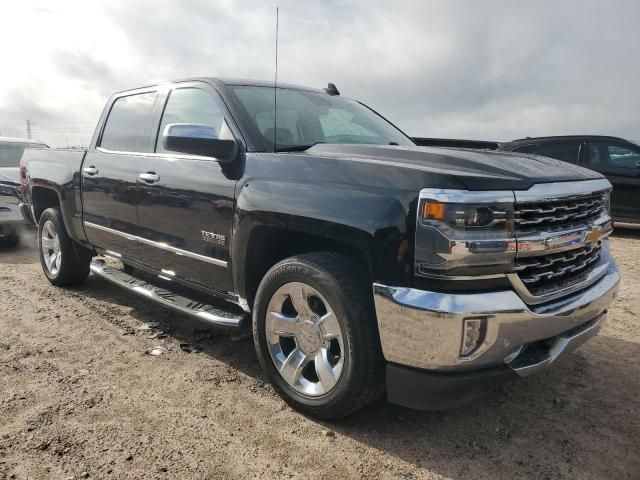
point(197, 139)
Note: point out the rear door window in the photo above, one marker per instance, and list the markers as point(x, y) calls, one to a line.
point(565, 151)
point(611, 155)
point(126, 127)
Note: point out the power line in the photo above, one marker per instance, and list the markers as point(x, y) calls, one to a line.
point(47, 123)
point(37, 129)
point(85, 129)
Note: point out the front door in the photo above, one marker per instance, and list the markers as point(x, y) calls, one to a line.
point(186, 202)
point(109, 175)
point(567, 150)
point(618, 162)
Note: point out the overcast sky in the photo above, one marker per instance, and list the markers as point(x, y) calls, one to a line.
point(462, 69)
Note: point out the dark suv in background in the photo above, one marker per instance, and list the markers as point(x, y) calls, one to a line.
point(616, 158)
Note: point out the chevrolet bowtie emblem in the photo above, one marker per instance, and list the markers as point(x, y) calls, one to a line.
point(593, 236)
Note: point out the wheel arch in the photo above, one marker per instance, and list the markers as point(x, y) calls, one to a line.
point(43, 197)
point(267, 245)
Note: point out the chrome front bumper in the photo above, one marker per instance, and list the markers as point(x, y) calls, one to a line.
point(425, 330)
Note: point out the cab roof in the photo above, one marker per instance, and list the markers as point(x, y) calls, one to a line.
point(231, 82)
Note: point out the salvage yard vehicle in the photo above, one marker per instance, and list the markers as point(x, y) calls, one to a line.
point(11, 214)
point(615, 158)
point(361, 262)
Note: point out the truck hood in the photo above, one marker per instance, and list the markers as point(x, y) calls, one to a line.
point(475, 169)
point(10, 175)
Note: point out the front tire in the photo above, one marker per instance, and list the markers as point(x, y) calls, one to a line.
point(64, 262)
point(316, 335)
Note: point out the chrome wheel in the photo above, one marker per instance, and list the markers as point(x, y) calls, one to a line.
point(305, 340)
point(50, 244)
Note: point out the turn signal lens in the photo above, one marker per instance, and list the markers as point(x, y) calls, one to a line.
point(433, 211)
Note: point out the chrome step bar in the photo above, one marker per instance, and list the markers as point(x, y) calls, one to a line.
point(194, 308)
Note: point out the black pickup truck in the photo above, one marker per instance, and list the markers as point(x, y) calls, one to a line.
point(361, 262)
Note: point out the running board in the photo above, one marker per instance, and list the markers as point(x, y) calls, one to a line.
point(194, 308)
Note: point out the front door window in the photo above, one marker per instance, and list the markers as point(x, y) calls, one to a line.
point(193, 105)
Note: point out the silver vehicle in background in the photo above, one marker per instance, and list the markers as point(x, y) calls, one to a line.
point(11, 215)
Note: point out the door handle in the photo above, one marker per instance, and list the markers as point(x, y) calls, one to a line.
point(90, 170)
point(149, 177)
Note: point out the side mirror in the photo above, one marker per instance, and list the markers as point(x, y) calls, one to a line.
point(195, 139)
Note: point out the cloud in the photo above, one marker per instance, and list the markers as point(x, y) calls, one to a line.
point(450, 68)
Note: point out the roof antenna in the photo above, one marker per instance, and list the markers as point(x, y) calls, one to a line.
point(332, 89)
point(275, 89)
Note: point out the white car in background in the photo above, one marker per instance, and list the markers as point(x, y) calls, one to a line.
point(11, 217)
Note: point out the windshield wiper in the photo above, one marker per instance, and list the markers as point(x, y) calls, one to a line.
point(302, 148)
point(296, 148)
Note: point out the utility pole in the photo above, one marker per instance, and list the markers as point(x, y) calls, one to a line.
point(29, 129)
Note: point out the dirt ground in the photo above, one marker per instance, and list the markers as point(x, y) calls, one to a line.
point(79, 398)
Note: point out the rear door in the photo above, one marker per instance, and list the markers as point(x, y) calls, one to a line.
point(109, 174)
point(619, 162)
point(186, 201)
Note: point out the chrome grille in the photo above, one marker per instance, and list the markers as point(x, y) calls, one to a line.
point(545, 273)
point(561, 214)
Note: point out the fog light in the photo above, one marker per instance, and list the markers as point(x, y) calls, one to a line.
point(473, 329)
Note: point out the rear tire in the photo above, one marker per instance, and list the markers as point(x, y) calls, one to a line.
point(316, 335)
point(63, 261)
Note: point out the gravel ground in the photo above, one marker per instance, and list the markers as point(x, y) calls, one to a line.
point(80, 398)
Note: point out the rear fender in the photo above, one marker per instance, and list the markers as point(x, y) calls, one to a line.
point(56, 171)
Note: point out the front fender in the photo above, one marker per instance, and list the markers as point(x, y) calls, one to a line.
point(374, 222)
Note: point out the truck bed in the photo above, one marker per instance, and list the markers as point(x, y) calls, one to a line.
point(49, 165)
point(57, 171)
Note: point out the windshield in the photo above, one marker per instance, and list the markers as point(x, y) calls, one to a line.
point(305, 118)
point(11, 152)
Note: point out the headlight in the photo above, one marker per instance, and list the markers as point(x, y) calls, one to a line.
point(465, 217)
point(454, 226)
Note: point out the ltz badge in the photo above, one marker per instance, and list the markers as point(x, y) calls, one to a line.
point(213, 237)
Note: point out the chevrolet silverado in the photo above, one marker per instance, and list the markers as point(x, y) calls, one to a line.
point(361, 263)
